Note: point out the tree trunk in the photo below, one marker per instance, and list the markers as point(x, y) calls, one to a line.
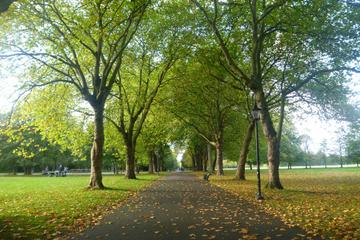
point(213, 164)
point(273, 159)
point(193, 162)
point(209, 158)
point(273, 150)
point(199, 164)
point(205, 161)
point(160, 163)
point(325, 162)
point(155, 162)
point(27, 171)
point(240, 172)
point(114, 168)
point(281, 121)
point(200, 158)
point(151, 162)
point(219, 156)
point(130, 161)
point(97, 148)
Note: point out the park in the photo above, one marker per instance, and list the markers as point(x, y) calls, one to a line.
point(199, 119)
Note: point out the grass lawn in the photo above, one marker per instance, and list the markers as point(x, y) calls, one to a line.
point(47, 207)
point(324, 202)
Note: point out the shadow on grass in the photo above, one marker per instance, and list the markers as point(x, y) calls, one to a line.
point(108, 189)
point(118, 189)
point(23, 227)
point(312, 192)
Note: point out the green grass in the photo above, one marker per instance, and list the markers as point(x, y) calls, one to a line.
point(48, 207)
point(324, 202)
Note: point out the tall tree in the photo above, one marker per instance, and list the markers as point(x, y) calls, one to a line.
point(80, 43)
point(268, 32)
point(353, 143)
point(157, 133)
point(205, 103)
point(324, 148)
point(140, 81)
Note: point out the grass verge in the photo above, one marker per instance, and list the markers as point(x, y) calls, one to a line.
point(324, 202)
point(49, 207)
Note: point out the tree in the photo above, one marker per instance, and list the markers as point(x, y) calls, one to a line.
point(197, 150)
point(323, 146)
point(160, 128)
point(306, 146)
point(8, 157)
point(244, 150)
point(140, 80)
point(25, 147)
point(204, 103)
point(352, 142)
point(268, 32)
point(55, 112)
point(290, 151)
point(341, 144)
point(76, 43)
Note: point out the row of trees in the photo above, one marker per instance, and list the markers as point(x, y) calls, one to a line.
point(24, 148)
point(294, 152)
point(149, 73)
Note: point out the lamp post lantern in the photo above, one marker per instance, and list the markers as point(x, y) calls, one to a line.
point(256, 116)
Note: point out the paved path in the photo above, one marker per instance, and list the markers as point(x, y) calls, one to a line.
point(180, 206)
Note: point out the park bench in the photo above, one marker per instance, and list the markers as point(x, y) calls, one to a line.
point(56, 173)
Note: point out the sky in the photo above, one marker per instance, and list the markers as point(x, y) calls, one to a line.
point(8, 93)
point(328, 130)
point(319, 130)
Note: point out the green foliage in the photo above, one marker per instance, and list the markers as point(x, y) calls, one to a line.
point(172, 80)
point(168, 158)
point(291, 151)
point(24, 148)
point(353, 143)
point(57, 113)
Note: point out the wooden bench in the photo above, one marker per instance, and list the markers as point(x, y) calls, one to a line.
point(56, 173)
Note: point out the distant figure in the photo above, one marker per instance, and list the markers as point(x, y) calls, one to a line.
point(66, 169)
point(59, 171)
point(46, 171)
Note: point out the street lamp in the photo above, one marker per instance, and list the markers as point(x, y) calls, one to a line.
point(256, 116)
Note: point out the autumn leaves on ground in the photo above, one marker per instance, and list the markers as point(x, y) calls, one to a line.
point(324, 202)
point(48, 207)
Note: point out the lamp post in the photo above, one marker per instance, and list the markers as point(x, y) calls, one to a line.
point(256, 116)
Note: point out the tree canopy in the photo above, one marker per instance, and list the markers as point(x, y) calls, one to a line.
point(131, 81)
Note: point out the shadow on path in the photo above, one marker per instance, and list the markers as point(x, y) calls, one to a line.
point(180, 206)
